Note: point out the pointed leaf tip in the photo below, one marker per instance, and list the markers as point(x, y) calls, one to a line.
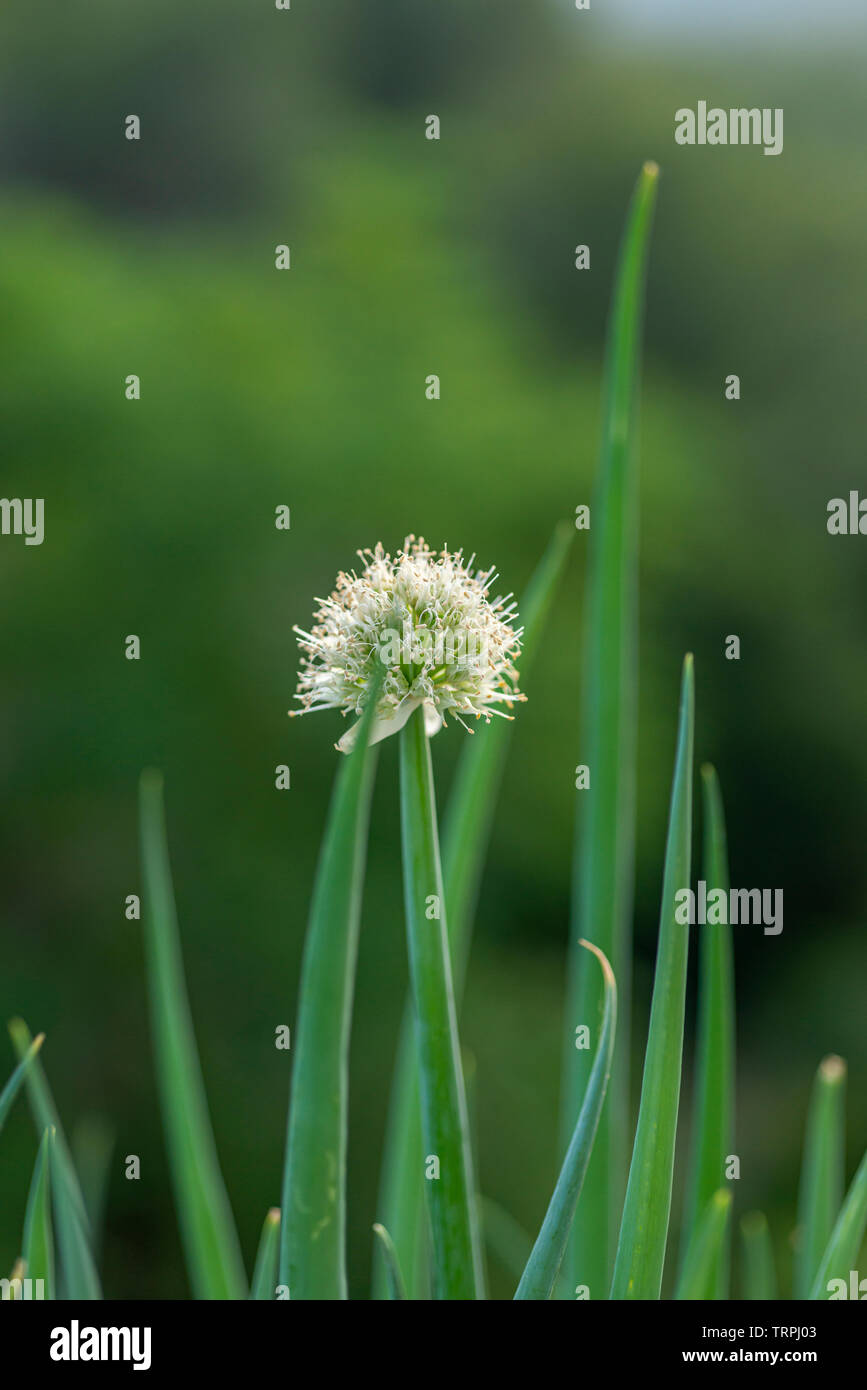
point(833, 1068)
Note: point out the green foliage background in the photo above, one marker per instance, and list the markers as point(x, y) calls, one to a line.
point(307, 388)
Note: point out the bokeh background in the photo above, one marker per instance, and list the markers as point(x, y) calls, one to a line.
point(306, 388)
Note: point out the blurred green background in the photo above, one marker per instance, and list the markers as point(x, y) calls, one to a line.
point(306, 388)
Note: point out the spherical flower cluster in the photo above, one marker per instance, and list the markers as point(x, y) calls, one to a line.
point(444, 643)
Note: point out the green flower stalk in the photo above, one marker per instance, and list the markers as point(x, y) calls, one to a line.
point(412, 639)
point(445, 1124)
point(466, 829)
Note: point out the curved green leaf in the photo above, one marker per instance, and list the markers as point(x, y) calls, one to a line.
point(842, 1249)
point(13, 1085)
point(540, 1277)
point(397, 1288)
point(208, 1232)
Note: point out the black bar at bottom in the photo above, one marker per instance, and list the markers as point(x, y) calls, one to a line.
point(253, 1340)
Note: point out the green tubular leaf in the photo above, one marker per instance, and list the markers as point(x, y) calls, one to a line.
point(540, 1277)
point(821, 1191)
point(844, 1244)
point(38, 1242)
point(760, 1275)
point(213, 1254)
point(78, 1277)
point(644, 1229)
point(396, 1286)
point(313, 1230)
point(13, 1085)
point(697, 1278)
point(264, 1285)
point(78, 1272)
point(465, 836)
point(713, 1105)
point(603, 856)
point(457, 1262)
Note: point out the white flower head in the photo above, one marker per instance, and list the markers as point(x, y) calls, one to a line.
point(445, 644)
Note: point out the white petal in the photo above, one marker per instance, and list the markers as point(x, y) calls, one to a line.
point(382, 728)
point(433, 720)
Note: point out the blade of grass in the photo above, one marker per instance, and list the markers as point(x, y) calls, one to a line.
point(540, 1277)
point(38, 1241)
point(821, 1192)
point(397, 1288)
point(698, 1276)
point(760, 1275)
point(465, 836)
point(13, 1085)
point(264, 1283)
point(844, 1244)
point(77, 1276)
point(210, 1241)
point(313, 1231)
point(644, 1229)
point(451, 1196)
point(603, 856)
point(713, 1104)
